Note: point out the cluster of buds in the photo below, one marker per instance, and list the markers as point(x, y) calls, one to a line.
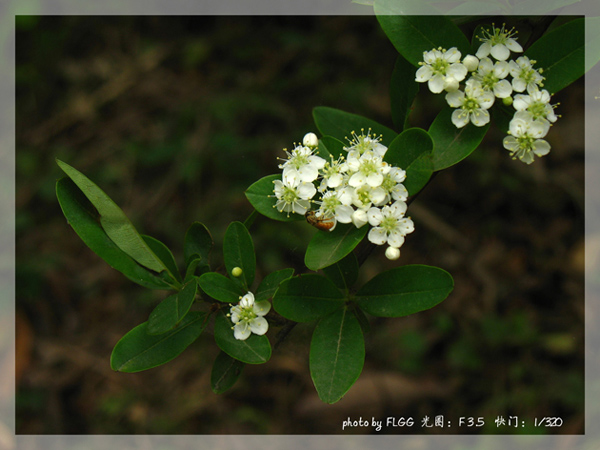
point(489, 73)
point(358, 188)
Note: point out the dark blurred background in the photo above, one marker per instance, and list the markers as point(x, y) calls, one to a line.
point(174, 117)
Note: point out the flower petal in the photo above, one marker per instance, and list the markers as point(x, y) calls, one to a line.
point(377, 236)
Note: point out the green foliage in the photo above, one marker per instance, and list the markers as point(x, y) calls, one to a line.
point(411, 151)
point(139, 350)
point(115, 223)
point(337, 354)
point(561, 53)
point(197, 244)
point(328, 145)
point(344, 272)
point(307, 297)
point(328, 247)
point(404, 290)
point(413, 35)
point(450, 144)
point(269, 284)
point(254, 350)
point(238, 251)
point(172, 310)
point(225, 372)
point(220, 287)
point(261, 197)
point(339, 124)
point(403, 90)
point(82, 217)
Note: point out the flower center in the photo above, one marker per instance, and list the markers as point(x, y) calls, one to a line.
point(289, 195)
point(389, 223)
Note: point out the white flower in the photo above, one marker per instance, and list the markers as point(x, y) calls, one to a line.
point(471, 63)
point(292, 194)
point(441, 69)
point(392, 185)
point(302, 160)
point(537, 103)
point(247, 317)
point(336, 204)
point(365, 143)
point(332, 174)
point(499, 44)
point(472, 104)
point(389, 224)
point(310, 140)
point(368, 169)
point(392, 253)
point(492, 77)
point(365, 196)
point(359, 218)
point(524, 75)
point(525, 137)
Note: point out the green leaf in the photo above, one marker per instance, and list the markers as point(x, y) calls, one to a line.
point(238, 251)
point(220, 287)
point(83, 218)
point(269, 285)
point(197, 243)
point(337, 355)
point(328, 145)
point(254, 350)
point(262, 197)
point(450, 144)
point(404, 290)
point(225, 372)
point(561, 54)
point(403, 90)
point(193, 266)
point(414, 34)
point(307, 297)
point(164, 254)
point(172, 310)
point(344, 272)
point(408, 146)
point(328, 247)
point(340, 124)
point(114, 222)
point(138, 350)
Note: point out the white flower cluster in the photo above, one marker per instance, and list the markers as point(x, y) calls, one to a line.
point(247, 317)
point(489, 70)
point(359, 189)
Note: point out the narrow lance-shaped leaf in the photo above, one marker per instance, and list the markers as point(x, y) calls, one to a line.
point(138, 350)
point(337, 354)
point(254, 350)
point(114, 222)
point(404, 290)
point(164, 254)
point(82, 217)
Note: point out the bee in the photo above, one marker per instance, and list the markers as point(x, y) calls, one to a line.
point(322, 223)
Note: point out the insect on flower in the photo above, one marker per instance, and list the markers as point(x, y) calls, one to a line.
point(322, 223)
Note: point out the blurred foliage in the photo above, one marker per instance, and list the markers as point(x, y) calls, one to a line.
point(174, 117)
